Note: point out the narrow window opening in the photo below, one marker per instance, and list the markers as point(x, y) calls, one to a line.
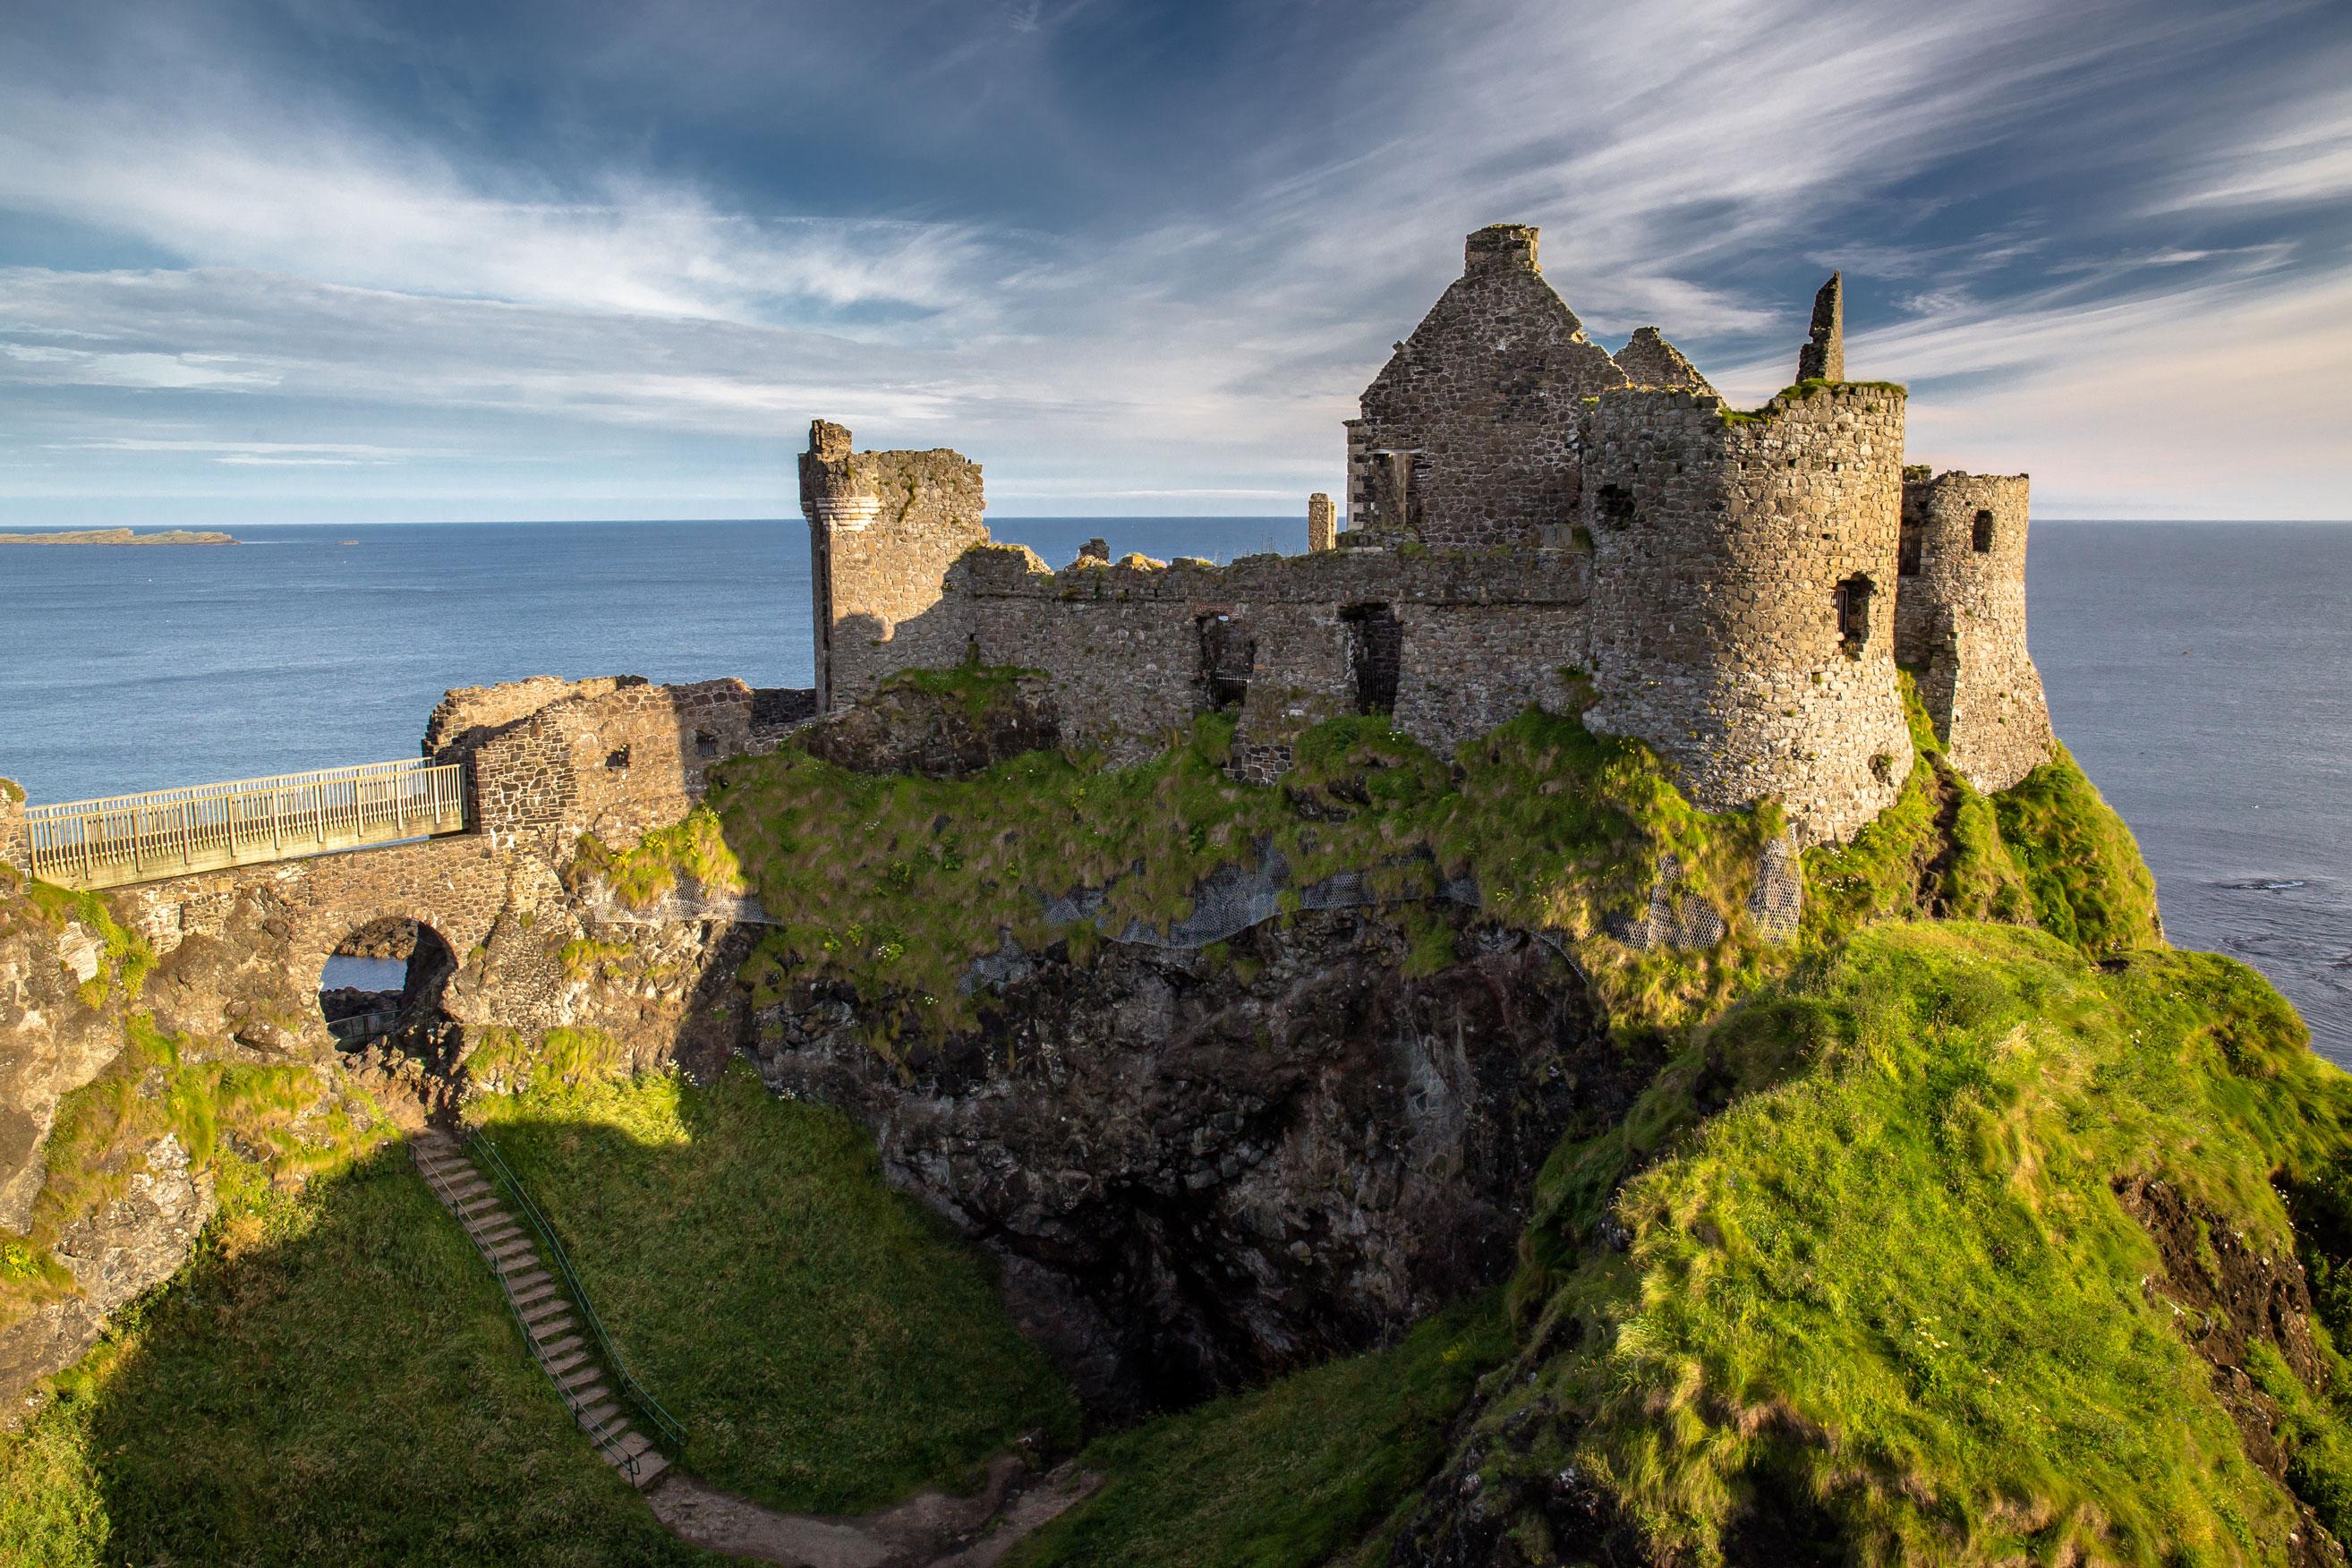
point(1617, 507)
point(1375, 655)
point(1984, 533)
point(1228, 654)
point(1853, 599)
point(1908, 551)
point(617, 759)
point(706, 745)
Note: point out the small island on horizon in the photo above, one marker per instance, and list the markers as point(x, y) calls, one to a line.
point(119, 536)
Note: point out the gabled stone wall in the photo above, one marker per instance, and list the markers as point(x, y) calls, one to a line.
point(1468, 436)
point(1960, 621)
point(1720, 549)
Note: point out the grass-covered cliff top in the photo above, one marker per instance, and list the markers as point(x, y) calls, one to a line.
point(898, 883)
point(1878, 1275)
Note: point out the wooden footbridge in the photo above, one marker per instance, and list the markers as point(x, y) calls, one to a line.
point(129, 839)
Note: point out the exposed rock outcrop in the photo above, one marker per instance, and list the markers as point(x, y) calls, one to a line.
point(52, 1041)
point(1203, 1168)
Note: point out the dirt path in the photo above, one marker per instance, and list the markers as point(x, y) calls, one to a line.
point(929, 1530)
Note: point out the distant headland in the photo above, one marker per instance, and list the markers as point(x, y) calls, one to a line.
point(119, 536)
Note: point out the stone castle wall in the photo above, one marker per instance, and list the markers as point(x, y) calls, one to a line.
point(1468, 436)
point(1135, 649)
point(1719, 551)
point(884, 527)
point(1961, 622)
point(614, 757)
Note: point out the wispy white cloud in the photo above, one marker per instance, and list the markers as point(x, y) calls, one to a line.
point(340, 269)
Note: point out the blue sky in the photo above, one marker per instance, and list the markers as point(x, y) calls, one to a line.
point(315, 260)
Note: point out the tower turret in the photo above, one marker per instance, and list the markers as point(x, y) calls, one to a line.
point(1960, 622)
point(1742, 594)
point(884, 527)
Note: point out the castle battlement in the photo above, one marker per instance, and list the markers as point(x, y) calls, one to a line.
point(1524, 509)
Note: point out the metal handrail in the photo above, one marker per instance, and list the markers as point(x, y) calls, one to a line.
point(631, 1390)
point(118, 840)
point(363, 1025)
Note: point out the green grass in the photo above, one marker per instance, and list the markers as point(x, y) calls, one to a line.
point(2090, 886)
point(1288, 1475)
point(918, 876)
point(335, 1378)
point(1891, 1278)
point(827, 1343)
point(287, 1114)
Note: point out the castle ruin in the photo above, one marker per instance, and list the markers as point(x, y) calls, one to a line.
point(1525, 514)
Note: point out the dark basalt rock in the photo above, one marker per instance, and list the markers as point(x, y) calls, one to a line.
point(1201, 1171)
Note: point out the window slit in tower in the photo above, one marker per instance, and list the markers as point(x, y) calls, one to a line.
point(1375, 655)
point(1983, 539)
point(1853, 601)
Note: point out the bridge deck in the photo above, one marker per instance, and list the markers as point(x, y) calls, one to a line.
point(130, 838)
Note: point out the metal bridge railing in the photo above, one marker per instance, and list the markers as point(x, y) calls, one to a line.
point(204, 827)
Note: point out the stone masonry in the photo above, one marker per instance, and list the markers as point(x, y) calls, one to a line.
point(883, 529)
point(1322, 523)
point(1523, 509)
point(1469, 435)
point(1742, 623)
point(1960, 622)
point(1648, 359)
point(1823, 356)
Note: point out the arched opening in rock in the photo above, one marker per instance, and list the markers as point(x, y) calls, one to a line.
point(382, 986)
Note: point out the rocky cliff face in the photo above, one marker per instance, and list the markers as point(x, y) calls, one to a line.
point(52, 1039)
point(1200, 1168)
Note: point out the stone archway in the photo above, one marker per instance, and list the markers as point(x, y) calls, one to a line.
point(383, 976)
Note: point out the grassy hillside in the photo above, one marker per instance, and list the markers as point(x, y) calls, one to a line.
point(1893, 1292)
point(335, 1378)
point(829, 1346)
point(1294, 1473)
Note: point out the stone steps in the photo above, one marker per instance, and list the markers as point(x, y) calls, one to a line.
point(540, 1305)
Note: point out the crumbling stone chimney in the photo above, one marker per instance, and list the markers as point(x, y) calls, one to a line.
point(1322, 523)
point(1823, 356)
point(1500, 246)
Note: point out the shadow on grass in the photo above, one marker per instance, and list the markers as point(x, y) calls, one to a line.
point(828, 1342)
point(334, 1378)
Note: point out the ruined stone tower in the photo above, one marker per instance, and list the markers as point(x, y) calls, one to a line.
point(884, 527)
point(1823, 356)
point(1960, 622)
point(1521, 506)
point(1743, 614)
point(1468, 438)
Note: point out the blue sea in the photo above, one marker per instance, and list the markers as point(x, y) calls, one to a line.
point(2201, 672)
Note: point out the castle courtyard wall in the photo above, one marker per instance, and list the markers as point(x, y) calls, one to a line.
point(1123, 644)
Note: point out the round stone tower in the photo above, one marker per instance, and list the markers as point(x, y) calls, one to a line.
point(1743, 595)
point(1960, 622)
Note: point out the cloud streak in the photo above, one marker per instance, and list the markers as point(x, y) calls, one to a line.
point(280, 266)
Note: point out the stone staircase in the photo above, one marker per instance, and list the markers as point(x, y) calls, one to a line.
point(548, 1324)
